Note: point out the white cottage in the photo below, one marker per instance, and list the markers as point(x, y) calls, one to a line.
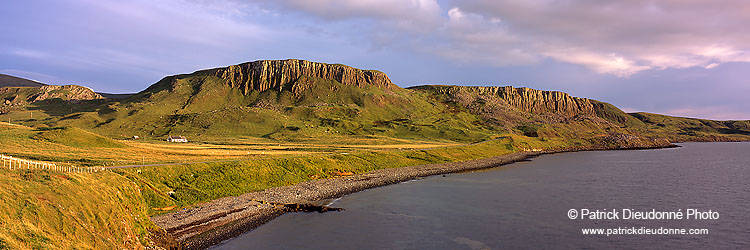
point(176, 139)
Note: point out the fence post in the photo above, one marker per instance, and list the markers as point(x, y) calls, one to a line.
point(10, 162)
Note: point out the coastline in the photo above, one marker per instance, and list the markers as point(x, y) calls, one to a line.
point(212, 222)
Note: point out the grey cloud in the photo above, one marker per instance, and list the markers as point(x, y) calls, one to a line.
point(148, 38)
point(608, 36)
point(626, 37)
point(415, 15)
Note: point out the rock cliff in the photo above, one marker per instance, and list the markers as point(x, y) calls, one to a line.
point(525, 99)
point(65, 92)
point(275, 74)
point(19, 96)
point(14, 98)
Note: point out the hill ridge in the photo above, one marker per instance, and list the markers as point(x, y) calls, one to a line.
point(530, 100)
point(262, 75)
point(14, 81)
point(302, 100)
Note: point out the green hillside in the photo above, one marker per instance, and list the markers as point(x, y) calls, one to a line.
point(296, 100)
point(680, 129)
point(76, 137)
point(307, 108)
point(54, 210)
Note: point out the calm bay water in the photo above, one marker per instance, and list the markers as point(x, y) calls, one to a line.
point(525, 205)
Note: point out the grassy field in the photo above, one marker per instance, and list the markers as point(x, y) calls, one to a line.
point(111, 209)
point(78, 147)
point(186, 185)
point(52, 210)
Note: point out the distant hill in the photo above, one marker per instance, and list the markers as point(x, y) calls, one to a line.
point(53, 99)
point(12, 81)
point(115, 96)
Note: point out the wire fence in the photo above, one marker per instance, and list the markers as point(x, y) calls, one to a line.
point(11, 163)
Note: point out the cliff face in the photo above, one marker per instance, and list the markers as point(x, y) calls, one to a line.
point(275, 74)
point(525, 99)
point(65, 92)
point(20, 95)
point(538, 101)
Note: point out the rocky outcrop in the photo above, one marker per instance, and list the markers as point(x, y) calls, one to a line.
point(65, 92)
point(525, 99)
point(12, 97)
point(630, 141)
point(275, 74)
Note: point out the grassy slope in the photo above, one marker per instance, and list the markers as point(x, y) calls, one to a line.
point(309, 109)
point(692, 129)
point(76, 137)
point(44, 200)
point(46, 210)
point(53, 210)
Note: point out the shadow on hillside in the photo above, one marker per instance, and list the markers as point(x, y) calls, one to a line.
point(60, 107)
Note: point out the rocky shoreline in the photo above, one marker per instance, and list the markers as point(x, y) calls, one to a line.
point(215, 221)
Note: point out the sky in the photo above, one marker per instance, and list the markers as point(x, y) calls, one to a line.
point(677, 57)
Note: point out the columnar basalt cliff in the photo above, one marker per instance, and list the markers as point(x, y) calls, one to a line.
point(275, 74)
point(524, 99)
point(536, 101)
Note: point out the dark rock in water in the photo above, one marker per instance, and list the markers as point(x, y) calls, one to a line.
point(295, 207)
